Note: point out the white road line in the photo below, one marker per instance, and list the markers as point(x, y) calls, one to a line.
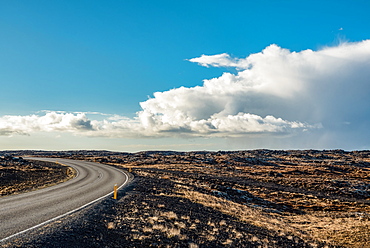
point(70, 212)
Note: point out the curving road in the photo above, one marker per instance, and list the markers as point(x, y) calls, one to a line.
point(19, 213)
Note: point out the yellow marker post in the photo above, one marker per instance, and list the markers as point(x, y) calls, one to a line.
point(115, 191)
point(129, 169)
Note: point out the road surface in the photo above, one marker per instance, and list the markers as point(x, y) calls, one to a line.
point(19, 213)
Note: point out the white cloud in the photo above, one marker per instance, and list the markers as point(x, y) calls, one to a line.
point(218, 60)
point(49, 122)
point(275, 91)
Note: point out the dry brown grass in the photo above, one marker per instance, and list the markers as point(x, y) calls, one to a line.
point(349, 231)
point(334, 228)
point(347, 227)
point(244, 213)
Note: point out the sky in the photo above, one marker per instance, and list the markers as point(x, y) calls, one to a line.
point(184, 75)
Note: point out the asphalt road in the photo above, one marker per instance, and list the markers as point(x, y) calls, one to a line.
point(94, 181)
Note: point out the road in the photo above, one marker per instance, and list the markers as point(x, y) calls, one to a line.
point(19, 213)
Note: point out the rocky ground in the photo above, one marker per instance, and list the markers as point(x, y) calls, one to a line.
point(18, 175)
point(258, 198)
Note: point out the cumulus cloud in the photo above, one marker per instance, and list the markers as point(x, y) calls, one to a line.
point(49, 122)
point(275, 91)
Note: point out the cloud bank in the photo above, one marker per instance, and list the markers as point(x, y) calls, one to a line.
point(273, 92)
point(50, 122)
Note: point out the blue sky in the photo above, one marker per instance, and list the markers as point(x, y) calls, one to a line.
point(61, 61)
